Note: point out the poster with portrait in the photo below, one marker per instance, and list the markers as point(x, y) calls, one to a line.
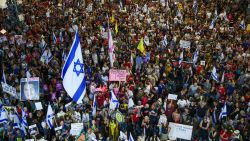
point(29, 89)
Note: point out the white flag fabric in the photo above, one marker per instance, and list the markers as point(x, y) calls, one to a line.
point(213, 23)
point(18, 123)
point(223, 112)
point(111, 48)
point(94, 106)
point(3, 115)
point(130, 102)
point(54, 38)
point(242, 25)
point(146, 40)
point(195, 56)
point(61, 37)
point(24, 120)
point(49, 117)
point(131, 137)
point(214, 74)
point(114, 103)
point(73, 75)
point(222, 78)
point(3, 77)
point(181, 58)
point(165, 41)
point(46, 56)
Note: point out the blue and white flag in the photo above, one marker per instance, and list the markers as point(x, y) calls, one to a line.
point(195, 7)
point(130, 137)
point(223, 112)
point(3, 78)
point(242, 25)
point(3, 115)
point(73, 75)
point(213, 23)
point(54, 38)
point(18, 124)
point(165, 41)
point(179, 14)
point(195, 56)
point(49, 117)
point(27, 72)
point(214, 119)
point(43, 45)
point(181, 58)
point(114, 103)
point(64, 56)
point(94, 106)
point(214, 74)
point(46, 56)
point(24, 120)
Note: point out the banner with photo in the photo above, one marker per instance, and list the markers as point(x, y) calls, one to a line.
point(29, 89)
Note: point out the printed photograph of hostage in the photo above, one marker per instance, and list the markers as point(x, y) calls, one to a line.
point(29, 89)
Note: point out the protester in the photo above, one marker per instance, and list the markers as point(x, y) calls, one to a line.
point(196, 50)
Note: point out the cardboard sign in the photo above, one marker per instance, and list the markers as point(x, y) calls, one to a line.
point(9, 90)
point(185, 44)
point(117, 75)
point(76, 128)
point(172, 96)
point(180, 131)
point(33, 130)
point(39, 106)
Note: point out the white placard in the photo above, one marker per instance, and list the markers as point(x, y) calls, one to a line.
point(180, 131)
point(203, 63)
point(39, 106)
point(10, 90)
point(185, 44)
point(3, 31)
point(29, 140)
point(76, 128)
point(58, 128)
point(172, 96)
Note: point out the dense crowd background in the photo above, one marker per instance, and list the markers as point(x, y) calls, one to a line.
point(152, 76)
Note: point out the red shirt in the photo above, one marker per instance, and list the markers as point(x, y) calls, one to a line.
point(226, 136)
point(221, 90)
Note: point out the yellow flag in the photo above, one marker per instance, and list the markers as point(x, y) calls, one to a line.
point(141, 47)
point(116, 28)
point(112, 18)
point(180, 7)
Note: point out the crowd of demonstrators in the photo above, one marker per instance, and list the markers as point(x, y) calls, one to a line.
point(202, 74)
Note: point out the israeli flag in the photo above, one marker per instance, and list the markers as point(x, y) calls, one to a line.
point(214, 119)
point(73, 75)
point(24, 120)
point(43, 45)
point(165, 41)
point(18, 123)
point(195, 6)
point(64, 56)
point(114, 103)
point(146, 40)
point(242, 25)
point(213, 23)
point(3, 115)
point(223, 112)
point(131, 137)
point(130, 102)
point(49, 117)
point(54, 38)
point(94, 106)
point(181, 58)
point(214, 75)
point(195, 56)
point(3, 78)
point(222, 78)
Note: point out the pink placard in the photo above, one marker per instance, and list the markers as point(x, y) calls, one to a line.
point(117, 75)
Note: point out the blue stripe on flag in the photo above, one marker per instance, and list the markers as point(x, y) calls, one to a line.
point(3, 120)
point(71, 55)
point(80, 90)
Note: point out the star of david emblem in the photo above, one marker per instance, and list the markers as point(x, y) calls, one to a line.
point(78, 67)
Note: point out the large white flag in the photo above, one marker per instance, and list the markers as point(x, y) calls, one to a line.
point(3, 115)
point(114, 103)
point(73, 75)
point(94, 106)
point(214, 75)
point(111, 48)
point(49, 117)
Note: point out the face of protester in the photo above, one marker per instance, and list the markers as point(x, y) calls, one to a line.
point(29, 91)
